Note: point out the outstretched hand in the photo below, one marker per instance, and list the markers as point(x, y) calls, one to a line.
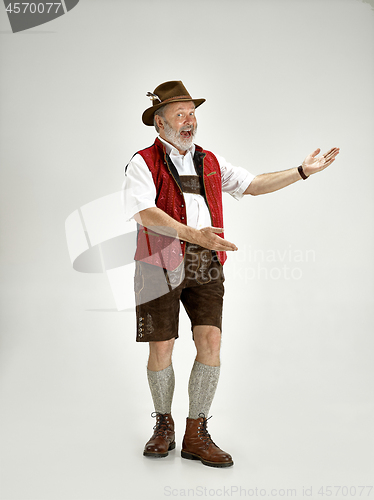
point(208, 238)
point(313, 164)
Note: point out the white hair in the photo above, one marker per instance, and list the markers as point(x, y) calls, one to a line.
point(160, 112)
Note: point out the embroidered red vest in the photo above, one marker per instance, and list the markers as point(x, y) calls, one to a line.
point(166, 251)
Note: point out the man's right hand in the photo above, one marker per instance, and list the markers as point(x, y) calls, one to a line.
point(157, 220)
point(208, 238)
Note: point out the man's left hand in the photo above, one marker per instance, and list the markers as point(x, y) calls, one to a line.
point(313, 164)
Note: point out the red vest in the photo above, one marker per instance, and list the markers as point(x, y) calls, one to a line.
point(165, 251)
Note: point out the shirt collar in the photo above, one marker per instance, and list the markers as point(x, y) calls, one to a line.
point(172, 151)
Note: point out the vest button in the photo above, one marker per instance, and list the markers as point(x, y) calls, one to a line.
point(182, 206)
point(182, 218)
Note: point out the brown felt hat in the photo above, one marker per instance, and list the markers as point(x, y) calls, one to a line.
point(166, 93)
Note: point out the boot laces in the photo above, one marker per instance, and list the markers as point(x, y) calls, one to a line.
point(203, 430)
point(162, 423)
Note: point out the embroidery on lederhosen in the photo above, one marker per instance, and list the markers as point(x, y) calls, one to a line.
point(175, 277)
point(200, 265)
point(191, 184)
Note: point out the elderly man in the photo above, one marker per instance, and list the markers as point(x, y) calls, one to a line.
point(173, 189)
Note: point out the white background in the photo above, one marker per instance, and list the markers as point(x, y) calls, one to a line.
point(295, 401)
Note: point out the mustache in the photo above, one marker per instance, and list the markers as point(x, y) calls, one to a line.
point(188, 128)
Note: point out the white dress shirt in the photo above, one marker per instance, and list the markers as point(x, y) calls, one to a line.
point(139, 191)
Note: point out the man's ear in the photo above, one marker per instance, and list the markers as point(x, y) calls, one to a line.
point(159, 122)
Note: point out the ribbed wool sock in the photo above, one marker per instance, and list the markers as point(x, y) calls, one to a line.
point(161, 384)
point(201, 388)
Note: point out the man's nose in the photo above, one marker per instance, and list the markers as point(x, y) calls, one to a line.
point(189, 120)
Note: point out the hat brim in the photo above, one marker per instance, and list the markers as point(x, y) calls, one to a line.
point(147, 116)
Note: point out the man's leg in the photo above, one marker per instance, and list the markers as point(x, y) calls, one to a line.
point(205, 372)
point(161, 374)
point(161, 382)
point(160, 354)
point(208, 344)
point(197, 443)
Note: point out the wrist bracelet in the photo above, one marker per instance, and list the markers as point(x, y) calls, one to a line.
point(301, 172)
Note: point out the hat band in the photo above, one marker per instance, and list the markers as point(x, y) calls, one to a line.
point(171, 99)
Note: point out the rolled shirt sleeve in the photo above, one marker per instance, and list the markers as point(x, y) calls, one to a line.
point(235, 180)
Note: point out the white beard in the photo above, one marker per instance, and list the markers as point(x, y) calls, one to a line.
point(173, 136)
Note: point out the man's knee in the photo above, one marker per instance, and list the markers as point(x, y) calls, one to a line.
point(162, 349)
point(207, 338)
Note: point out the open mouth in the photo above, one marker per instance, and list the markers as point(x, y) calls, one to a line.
point(186, 134)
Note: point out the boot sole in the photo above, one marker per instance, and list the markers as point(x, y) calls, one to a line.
point(193, 456)
point(159, 455)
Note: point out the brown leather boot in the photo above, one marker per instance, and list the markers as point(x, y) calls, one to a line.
point(163, 439)
point(198, 445)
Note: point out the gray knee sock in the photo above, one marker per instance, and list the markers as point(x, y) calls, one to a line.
point(161, 384)
point(201, 388)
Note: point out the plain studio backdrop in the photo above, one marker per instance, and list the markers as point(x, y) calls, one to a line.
point(294, 405)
